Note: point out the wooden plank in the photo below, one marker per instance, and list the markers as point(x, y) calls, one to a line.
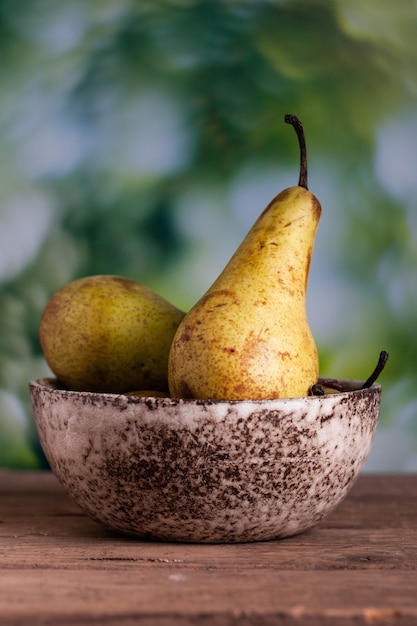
point(58, 567)
point(158, 590)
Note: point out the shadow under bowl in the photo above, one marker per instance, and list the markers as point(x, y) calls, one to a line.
point(205, 471)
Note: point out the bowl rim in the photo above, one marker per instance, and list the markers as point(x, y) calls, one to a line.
point(53, 386)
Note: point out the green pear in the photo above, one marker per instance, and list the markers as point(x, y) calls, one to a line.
point(248, 337)
point(108, 333)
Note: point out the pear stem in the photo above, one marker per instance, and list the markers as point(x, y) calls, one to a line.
point(383, 358)
point(341, 386)
point(294, 121)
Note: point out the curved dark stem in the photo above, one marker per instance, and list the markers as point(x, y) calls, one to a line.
point(294, 121)
point(339, 385)
point(383, 358)
point(332, 383)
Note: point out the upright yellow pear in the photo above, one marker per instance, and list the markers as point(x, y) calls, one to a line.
point(248, 337)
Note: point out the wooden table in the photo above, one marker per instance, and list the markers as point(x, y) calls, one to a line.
point(57, 566)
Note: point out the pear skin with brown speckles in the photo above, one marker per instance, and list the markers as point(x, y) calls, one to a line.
point(248, 337)
point(108, 333)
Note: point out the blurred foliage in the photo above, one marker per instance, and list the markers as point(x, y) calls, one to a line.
point(126, 128)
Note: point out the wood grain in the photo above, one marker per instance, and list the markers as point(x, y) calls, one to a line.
point(59, 567)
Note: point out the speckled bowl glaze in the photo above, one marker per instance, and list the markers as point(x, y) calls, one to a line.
point(204, 471)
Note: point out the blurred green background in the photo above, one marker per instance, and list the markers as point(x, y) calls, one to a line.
point(144, 138)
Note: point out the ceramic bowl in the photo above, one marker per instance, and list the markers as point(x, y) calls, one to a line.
point(205, 471)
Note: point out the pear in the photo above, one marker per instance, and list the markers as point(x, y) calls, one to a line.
point(108, 333)
point(248, 337)
point(147, 393)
